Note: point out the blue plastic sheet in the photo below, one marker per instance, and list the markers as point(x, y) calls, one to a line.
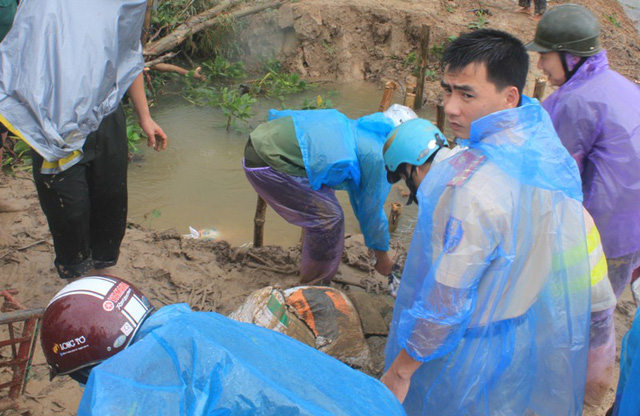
point(347, 154)
point(202, 363)
point(494, 298)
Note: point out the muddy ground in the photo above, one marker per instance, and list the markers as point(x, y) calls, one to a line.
point(345, 40)
point(374, 39)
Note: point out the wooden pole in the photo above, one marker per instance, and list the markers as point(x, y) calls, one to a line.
point(389, 89)
point(394, 216)
point(410, 93)
point(147, 22)
point(258, 222)
point(424, 54)
point(441, 117)
point(538, 91)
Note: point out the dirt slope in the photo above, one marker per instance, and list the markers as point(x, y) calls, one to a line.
point(374, 39)
point(341, 39)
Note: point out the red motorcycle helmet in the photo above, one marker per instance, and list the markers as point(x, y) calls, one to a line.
point(89, 321)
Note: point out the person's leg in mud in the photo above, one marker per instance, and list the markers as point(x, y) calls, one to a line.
point(64, 199)
point(602, 357)
point(524, 6)
point(621, 270)
point(318, 212)
point(539, 9)
point(108, 191)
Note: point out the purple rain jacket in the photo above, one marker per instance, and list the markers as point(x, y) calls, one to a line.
point(597, 116)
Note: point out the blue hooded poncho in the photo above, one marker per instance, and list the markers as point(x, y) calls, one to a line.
point(202, 363)
point(346, 154)
point(494, 298)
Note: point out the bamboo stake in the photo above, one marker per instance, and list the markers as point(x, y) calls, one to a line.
point(389, 89)
point(538, 91)
point(410, 92)
point(441, 117)
point(394, 216)
point(258, 222)
point(424, 54)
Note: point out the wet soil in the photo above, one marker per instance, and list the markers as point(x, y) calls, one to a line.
point(340, 39)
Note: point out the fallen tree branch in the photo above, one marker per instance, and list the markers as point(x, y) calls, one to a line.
point(200, 22)
point(160, 59)
point(192, 25)
point(197, 74)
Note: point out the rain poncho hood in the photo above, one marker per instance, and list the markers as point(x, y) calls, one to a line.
point(346, 154)
point(494, 297)
point(597, 117)
point(201, 363)
point(64, 66)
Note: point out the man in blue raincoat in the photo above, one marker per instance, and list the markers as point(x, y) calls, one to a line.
point(297, 160)
point(492, 313)
point(103, 332)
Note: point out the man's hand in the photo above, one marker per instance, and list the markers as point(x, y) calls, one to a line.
point(383, 263)
point(398, 376)
point(398, 385)
point(156, 137)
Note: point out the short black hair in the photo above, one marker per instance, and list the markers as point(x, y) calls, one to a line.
point(504, 55)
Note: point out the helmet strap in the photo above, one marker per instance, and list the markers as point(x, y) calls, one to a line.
point(569, 73)
point(413, 189)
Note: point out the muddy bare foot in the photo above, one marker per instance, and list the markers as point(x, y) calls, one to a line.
point(536, 17)
point(525, 10)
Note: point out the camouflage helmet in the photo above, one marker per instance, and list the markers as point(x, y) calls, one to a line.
point(567, 28)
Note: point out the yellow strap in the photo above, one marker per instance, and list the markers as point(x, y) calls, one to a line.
point(58, 164)
point(599, 271)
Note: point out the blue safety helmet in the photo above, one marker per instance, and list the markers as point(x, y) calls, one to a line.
point(413, 142)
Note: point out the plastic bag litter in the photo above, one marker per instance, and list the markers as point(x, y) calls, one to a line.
point(203, 234)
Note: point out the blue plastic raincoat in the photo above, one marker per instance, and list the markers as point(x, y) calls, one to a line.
point(201, 363)
point(347, 154)
point(627, 397)
point(64, 66)
point(494, 298)
point(597, 116)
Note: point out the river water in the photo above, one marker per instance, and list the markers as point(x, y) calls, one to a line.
point(199, 181)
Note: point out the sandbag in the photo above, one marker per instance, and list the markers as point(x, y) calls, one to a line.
point(266, 308)
point(319, 316)
point(333, 320)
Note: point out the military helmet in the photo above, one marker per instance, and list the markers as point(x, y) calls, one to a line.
point(567, 28)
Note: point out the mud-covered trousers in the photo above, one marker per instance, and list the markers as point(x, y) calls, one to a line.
point(540, 5)
point(318, 212)
point(86, 205)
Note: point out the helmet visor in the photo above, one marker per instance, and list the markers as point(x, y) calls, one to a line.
point(533, 46)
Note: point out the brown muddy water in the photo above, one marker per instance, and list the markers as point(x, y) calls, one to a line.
point(198, 180)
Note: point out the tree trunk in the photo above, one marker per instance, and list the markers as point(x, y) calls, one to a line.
point(200, 22)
